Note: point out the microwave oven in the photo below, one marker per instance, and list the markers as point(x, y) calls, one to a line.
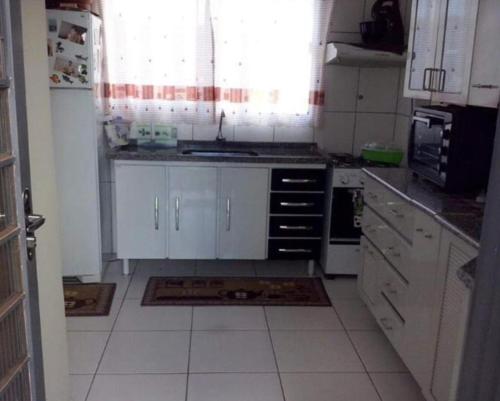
point(452, 146)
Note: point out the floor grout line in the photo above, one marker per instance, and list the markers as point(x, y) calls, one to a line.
point(111, 331)
point(274, 354)
point(189, 355)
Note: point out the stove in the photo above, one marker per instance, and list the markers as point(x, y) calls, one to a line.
point(341, 242)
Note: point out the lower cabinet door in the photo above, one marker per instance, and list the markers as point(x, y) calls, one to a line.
point(141, 211)
point(193, 209)
point(243, 213)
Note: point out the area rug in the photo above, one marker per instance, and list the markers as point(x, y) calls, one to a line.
point(235, 291)
point(88, 299)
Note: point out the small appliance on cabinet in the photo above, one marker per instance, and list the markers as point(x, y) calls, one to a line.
point(452, 146)
point(74, 54)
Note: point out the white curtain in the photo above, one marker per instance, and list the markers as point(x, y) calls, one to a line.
point(176, 61)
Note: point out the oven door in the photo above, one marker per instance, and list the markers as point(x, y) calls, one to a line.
point(427, 146)
point(347, 212)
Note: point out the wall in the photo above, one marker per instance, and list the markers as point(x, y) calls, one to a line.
point(362, 104)
point(49, 263)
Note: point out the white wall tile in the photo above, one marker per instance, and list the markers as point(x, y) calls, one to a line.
point(404, 103)
point(378, 90)
point(184, 132)
point(341, 85)
point(255, 133)
point(209, 132)
point(293, 134)
point(337, 132)
point(373, 127)
point(346, 15)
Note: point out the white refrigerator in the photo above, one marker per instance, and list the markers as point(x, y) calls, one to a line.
point(74, 43)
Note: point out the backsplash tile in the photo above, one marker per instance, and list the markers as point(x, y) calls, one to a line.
point(249, 133)
point(373, 127)
point(341, 84)
point(378, 90)
point(337, 133)
point(184, 131)
point(209, 132)
point(402, 135)
point(293, 134)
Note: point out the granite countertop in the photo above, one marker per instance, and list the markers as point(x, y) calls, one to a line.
point(300, 153)
point(461, 214)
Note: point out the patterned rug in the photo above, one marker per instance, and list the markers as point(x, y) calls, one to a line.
point(88, 299)
point(235, 291)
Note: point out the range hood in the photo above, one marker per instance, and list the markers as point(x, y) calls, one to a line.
point(355, 55)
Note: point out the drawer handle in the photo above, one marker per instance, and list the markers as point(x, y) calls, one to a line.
point(394, 253)
point(306, 228)
point(385, 323)
point(397, 213)
point(298, 180)
point(371, 195)
point(391, 290)
point(299, 250)
point(426, 235)
point(296, 204)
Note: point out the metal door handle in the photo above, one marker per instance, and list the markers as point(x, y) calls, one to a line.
point(298, 180)
point(34, 222)
point(228, 214)
point(296, 204)
point(426, 87)
point(285, 250)
point(177, 212)
point(296, 228)
point(157, 213)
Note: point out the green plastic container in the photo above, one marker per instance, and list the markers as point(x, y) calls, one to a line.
point(381, 155)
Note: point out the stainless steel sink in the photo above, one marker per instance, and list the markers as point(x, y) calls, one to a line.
point(219, 152)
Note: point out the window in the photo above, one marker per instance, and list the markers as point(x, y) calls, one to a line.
point(186, 60)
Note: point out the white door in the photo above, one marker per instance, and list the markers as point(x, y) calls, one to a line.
point(455, 50)
point(193, 210)
point(243, 213)
point(21, 379)
point(422, 48)
point(141, 211)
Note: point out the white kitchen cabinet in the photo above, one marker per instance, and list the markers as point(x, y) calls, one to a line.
point(368, 277)
point(192, 212)
point(450, 314)
point(418, 352)
point(242, 223)
point(451, 57)
point(141, 211)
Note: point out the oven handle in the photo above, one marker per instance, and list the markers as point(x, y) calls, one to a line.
point(426, 121)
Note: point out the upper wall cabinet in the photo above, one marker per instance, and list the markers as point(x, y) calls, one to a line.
point(453, 52)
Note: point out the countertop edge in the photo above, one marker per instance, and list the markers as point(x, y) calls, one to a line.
point(440, 219)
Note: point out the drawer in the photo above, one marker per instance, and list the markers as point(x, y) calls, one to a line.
point(373, 194)
point(294, 249)
point(400, 214)
point(389, 242)
point(390, 322)
point(296, 226)
point(296, 203)
point(298, 180)
point(392, 286)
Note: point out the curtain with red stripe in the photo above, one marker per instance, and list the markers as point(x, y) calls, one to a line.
point(183, 61)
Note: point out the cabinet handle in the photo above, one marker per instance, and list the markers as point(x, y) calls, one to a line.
point(426, 87)
point(441, 80)
point(298, 180)
point(391, 290)
point(286, 250)
point(157, 213)
point(396, 213)
point(296, 204)
point(307, 228)
point(371, 195)
point(484, 86)
point(228, 214)
point(177, 212)
point(428, 236)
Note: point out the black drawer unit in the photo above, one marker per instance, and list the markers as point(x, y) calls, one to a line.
point(298, 180)
point(294, 248)
point(296, 226)
point(297, 203)
point(296, 213)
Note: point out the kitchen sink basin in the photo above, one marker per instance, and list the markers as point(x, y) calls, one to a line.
point(219, 152)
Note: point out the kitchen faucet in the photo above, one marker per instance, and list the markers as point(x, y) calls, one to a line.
point(220, 137)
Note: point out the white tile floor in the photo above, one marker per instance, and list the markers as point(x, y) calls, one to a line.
point(233, 353)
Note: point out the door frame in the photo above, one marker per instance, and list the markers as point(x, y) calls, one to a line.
point(11, 21)
point(481, 362)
